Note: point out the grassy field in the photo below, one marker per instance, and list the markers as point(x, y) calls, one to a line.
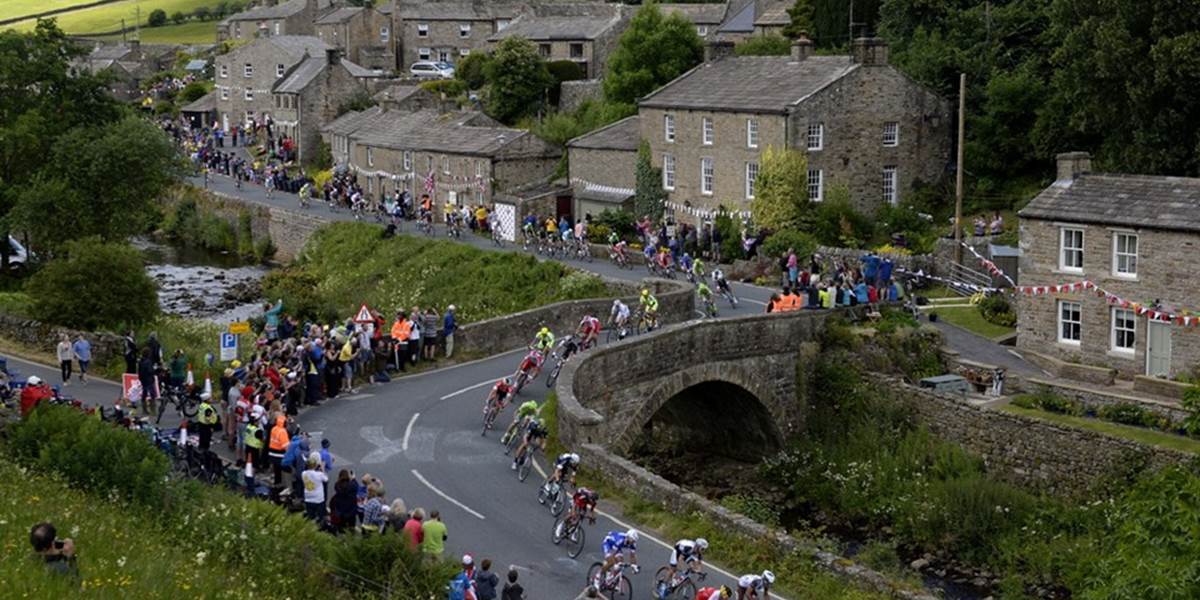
point(108, 17)
point(11, 9)
point(968, 318)
point(191, 32)
point(1137, 434)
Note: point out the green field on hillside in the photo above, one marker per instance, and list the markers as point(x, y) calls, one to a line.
point(11, 9)
point(191, 32)
point(108, 17)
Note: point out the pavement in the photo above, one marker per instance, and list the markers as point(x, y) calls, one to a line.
point(421, 435)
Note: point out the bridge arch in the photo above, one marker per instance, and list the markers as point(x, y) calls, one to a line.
point(714, 417)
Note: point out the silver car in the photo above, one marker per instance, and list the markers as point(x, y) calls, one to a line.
point(428, 69)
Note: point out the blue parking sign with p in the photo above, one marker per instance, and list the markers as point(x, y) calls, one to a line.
point(229, 346)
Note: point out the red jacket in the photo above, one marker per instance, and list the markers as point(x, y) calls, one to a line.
point(31, 395)
point(413, 534)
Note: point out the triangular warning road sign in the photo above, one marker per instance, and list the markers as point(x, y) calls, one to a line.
point(364, 315)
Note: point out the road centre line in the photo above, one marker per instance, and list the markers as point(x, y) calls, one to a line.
point(670, 547)
point(408, 432)
point(467, 389)
point(444, 495)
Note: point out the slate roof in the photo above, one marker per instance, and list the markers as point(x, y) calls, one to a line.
point(205, 103)
point(293, 47)
point(352, 121)
point(622, 135)
point(1149, 201)
point(699, 14)
point(398, 92)
point(457, 11)
point(548, 28)
point(262, 13)
point(340, 15)
point(739, 17)
point(357, 70)
point(300, 75)
point(750, 83)
point(424, 130)
point(109, 52)
point(774, 14)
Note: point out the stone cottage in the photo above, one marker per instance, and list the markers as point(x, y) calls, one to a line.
point(246, 76)
point(585, 33)
point(706, 17)
point(446, 31)
point(1133, 239)
point(307, 97)
point(293, 17)
point(861, 122)
point(362, 34)
point(602, 167)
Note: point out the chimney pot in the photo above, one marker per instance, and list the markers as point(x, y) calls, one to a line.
point(869, 51)
point(1073, 164)
point(802, 48)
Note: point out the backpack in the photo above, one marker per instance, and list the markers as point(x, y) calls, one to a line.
point(459, 586)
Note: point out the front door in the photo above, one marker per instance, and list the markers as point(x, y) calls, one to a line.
point(1158, 349)
point(563, 207)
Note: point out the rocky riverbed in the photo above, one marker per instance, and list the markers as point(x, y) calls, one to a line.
point(199, 284)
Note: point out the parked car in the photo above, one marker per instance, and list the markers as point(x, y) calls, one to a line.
point(432, 70)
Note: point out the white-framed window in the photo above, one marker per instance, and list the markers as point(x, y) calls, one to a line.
point(891, 134)
point(544, 50)
point(706, 175)
point(408, 162)
point(423, 53)
point(445, 164)
point(444, 55)
point(1124, 330)
point(429, 163)
point(1125, 251)
point(706, 131)
point(669, 128)
point(668, 172)
point(816, 185)
point(478, 196)
point(464, 51)
point(224, 71)
point(249, 95)
point(751, 133)
point(422, 30)
point(1070, 249)
point(464, 30)
point(702, 30)
point(279, 69)
point(816, 136)
point(575, 50)
point(1070, 322)
point(224, 93)
point(370, 181)
point(248, 70)
point(890, 194)
point(385, 34)
point(478, 168)
point(751, 176)
point(370, 158)
point(277, 27)
point(502, 23)
point(452, 197)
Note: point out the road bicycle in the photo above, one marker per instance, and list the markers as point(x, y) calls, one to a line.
point(525, 461)
point(490, 412)
point(566, 348)
point(583, 251)
point(496, 238)
point(616, 333)
point(710, 307)
point(727, 293)
point(680, 586)
point(185, 404)
point(454, 228)
point(552, 496)
point(618, 258)
point(614, 584)
point(645, 323)
point(569, 528)
point(514, 434)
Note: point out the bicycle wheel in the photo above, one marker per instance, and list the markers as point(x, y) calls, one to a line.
point(593, 572)
point(514, 438)
point(623, 591)
point(526, 467)
point(543, 494)
point(162, 407)
point(553, 375)
point(575, 541)
point(562, 530)
point(189, 406)
point(685, 591)
point(557, 503)
point(488, 417)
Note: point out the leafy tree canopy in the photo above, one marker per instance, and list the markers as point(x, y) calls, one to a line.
point(96, 284)
point(652, 51)
point(518, 79)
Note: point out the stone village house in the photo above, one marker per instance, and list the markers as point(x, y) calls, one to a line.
point(602, 167)
point(585, 33)
point(363, 35)
point(128, 64)
point(293, 17)
point(1136, 237)
point(465, 158)
point(447, 31)
point(861, 122)
point(307, 97)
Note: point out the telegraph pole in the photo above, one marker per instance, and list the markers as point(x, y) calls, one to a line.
point(958, 183)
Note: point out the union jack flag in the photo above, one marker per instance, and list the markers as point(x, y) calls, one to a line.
point(429, 183)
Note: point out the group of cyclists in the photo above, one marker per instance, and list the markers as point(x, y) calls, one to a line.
point(555, 237)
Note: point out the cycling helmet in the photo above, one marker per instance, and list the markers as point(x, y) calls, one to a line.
point(574, 458)
point(645, 293)
point(508, 381)
point(544, 331)
point(33, 380)
point(616, 303)
point(726, 592)
point(769, 576)
point(632, 535)
point(702, 543)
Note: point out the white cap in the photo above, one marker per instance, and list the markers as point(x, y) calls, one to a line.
point(33, 380)
point(450, 308)
point(257, 411)
point(467, 560)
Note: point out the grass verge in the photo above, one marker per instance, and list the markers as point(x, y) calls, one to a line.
point(1128, 432)
point(798, 577)
point(968, 317)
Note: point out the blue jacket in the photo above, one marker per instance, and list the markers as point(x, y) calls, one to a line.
point(448, 324)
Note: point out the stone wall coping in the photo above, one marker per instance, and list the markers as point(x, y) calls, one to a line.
point(1100, 392)
point(1159, 386)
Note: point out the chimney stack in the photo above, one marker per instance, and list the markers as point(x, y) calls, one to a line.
point(715, 50)
point(333, 55)
point(802, 48)
point(1073, 164)
point(869, 51)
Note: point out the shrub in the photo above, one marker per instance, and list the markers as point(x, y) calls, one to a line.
point(618, 220)
point(379, 559)
point(778, 243)
point(96, 285)
point(202, 13)
point(754, 507)
point(1049, 402)
point(764, 45)
point(158, 18)
point(193, 91)
point(731, 238)
point(1128, 413)
point(995, 308)
point(178, 17)
point(470, 70)
point(837, 223)
point(90, 453)
point(451, 88)
point(598, 233)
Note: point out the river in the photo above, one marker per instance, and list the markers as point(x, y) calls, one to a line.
point(198, 283)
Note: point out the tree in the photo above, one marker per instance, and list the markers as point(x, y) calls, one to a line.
point(764, 45)
point(470, 70)
point(194, 91)
point(801, 14)
point(98, 181)
point(649, 196)
point(653, 51)
point(518, 79)
point(94, 285)
point(178, 17)
point(202, 13)
point(781, 189)
point(158, 18)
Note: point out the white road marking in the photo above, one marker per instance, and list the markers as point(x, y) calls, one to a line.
point(700, 313)
point(467, 389)
point(753, 301)
point(337, 460)
point(444, 495)
point(384, 448)
point(408, 431)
